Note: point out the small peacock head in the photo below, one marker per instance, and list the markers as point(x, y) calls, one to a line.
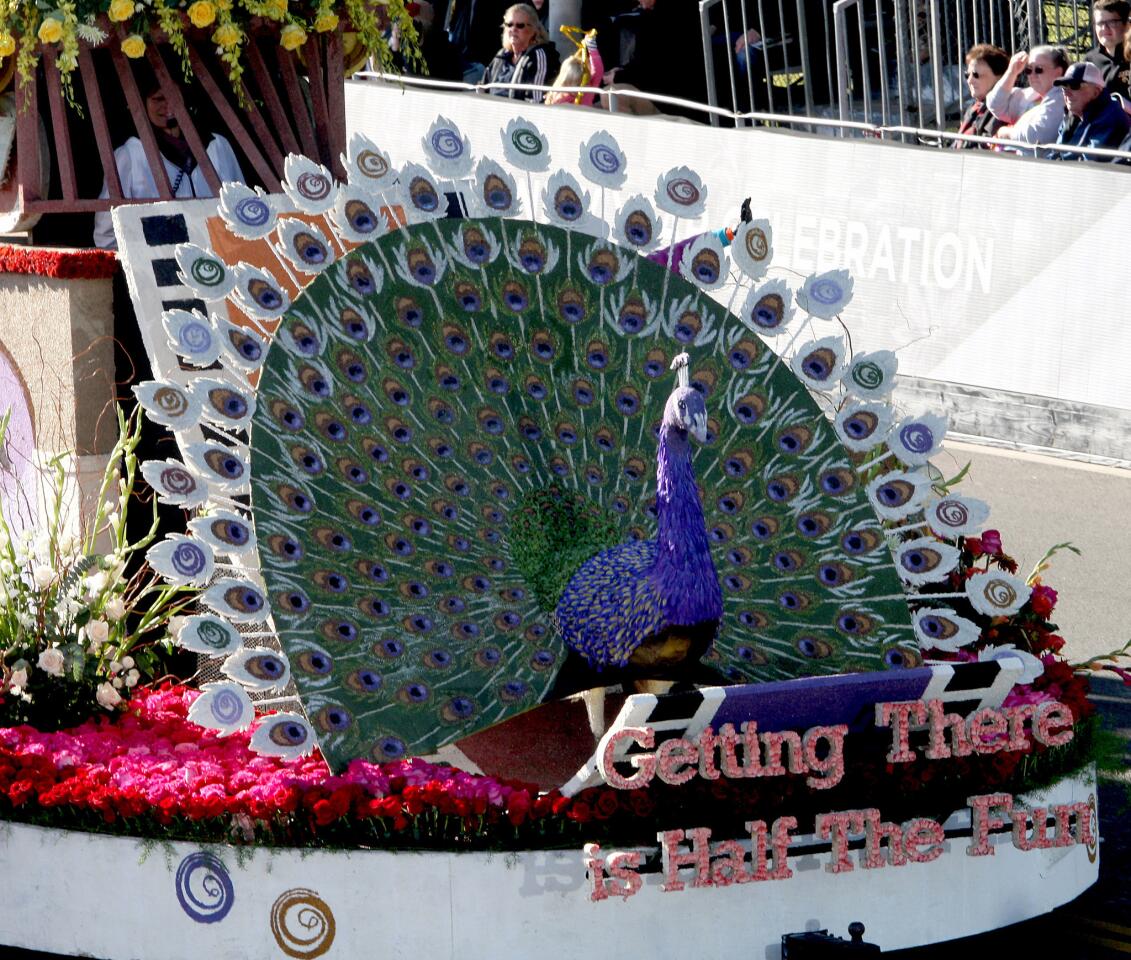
point(686, 410)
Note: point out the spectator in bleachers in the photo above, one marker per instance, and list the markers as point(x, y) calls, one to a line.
point(1111, 18)
point(526, 56)
point(440, 56)
point(1031, 114)
point(1095, 117)
point(584, 68)
point(472, 27)
point(985, 65)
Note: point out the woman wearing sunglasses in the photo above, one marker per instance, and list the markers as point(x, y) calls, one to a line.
point(1032, 114)
point(985, 64)
point(527, 55)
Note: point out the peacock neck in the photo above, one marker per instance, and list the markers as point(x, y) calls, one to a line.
point(684, 571)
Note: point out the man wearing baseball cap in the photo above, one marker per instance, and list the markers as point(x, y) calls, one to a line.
point(1094, 118)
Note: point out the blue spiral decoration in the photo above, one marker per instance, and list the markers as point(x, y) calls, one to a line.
point(826, 291)
point(195, 337)
point(447, 143)
point(189, 559)
point(253, 212)
point(917, 438)
point(604, 158)
point(204, 889)
point(226, 707)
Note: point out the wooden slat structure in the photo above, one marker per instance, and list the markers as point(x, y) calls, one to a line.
point(288, 105)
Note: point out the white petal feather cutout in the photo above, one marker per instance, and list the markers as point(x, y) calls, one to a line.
point(258, 668)
point(861, 425)
point(203, 272)
point(258, 294)
point(924, 560)
point(564, 201)
point(225, 531)
point(182, 560)
point(305, 246)
point(525, 146)
point(704, 262)
point(191, 337)
point(420, 194)
point(225, 707)
point(222, 467)
point(871, 375)
point(175, 484)
point(914, 440)
point(223, 403)
point(955, 516)
point(169, 404)
point(753, 248)
point(367, 165)
point(285, 735)
point(241, 601)
point(681, 193)
point(447, 151)
point(637, 225)
point(942, 629)
point(496, 193)
point(308, 185)
point(531, 254)
point(357, 215)
point(208, 635)
point(248, 213)
point(602, 161)
point(1032, 667)
point(768, 309)
point(241, 348)
point(898, 494)
point(824, 295)
point(995, 593)
point(819, 364)
point(476, 245)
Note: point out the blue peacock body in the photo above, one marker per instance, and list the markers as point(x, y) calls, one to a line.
point(469, 463)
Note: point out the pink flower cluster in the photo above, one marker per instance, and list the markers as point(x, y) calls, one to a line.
point(152, 761)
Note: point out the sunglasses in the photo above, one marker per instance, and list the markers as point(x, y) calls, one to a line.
point(1110, 24)
point(973, 74)
point(1034, 71)
point(511, 25)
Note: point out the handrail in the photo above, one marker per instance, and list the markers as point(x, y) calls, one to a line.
point(879, 131)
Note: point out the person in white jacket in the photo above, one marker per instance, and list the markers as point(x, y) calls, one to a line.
point(1032, 114)
point(185, 176)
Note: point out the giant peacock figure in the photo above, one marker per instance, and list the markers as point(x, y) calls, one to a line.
point(448, 467)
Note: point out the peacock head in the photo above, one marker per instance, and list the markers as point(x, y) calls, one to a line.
point(686, 410)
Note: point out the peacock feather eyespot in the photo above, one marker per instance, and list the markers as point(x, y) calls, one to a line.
point(446, 509)
point(794, 600)
point(476, 583)
point(351, 470)
point(400, 545)
point(783, 488)
point(706, 266)
point(293, 601)
point(352, 366)
point(490, 421)
point(333, 719)
point(372, 571)
point(413, 590)
point(736, 583)
point(365, 681)
point(635, 469)
point(388, 748)
point(467, 295)
point(750, 408)
point(455, 340)
point(627, 401)
point(750, 655)
point(488, 657)
point(414, 693)
point(438, 659)
point(441, 412)
point(501, 346)
point(788, 561)
point(497, 193)
point(457, 485)
point(423, 195)
point(638, 228)
point(315, 663)
point(738, 464)
point(566, 432)
point(597, 354)
point(571, 306)
point(395, 393)
point(285, 548)
point(814, 648)
point(603, 266)
point(244, 345)
point(333, 540)
point(835, 574)
point(764, 528)
point(857, 543)
point(481, 453)
point(441, 569)
point(837, 482)
point(731, 502)
point(307, 460)
point(739, 556)
point(901, 657)
point(408, 312)
point(398, 488)
point(244, 599)
point(813, 523)
point(374, 450)
point(359, 277)
point(567, 204)
point(315, 381)
point(421, 266)
point(418, 623)
point(361, 216)
point(265, 295)
point(532, 254)
point(331, 581)
point(721, 533)
point(294, 499)
point(687, 326)
point(542, 346)
point(515, 297)
point(288, 417)
point(391, 648)
point(753, 619)
point(855, 623)
point(465, 630)
point(400, 431)
point(794, 440)
point(416, 469)
point(513, 691)
point(376, 608)
point(605, 440)
point(305, 341)
point(475, 245)
point(458, 710)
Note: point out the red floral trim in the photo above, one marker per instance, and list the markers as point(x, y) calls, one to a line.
point(61, 264)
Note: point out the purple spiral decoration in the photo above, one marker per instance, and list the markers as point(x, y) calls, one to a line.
point(447, 143)
point(313, 186)
point(253, 212)
point(917, 438)
point(204, 889)
point(226, 707)
point(189, 559)
point(195, 337)
point(826, 291)
point(604, 158)
point(952, 512)
point(178, 481)
point(683, 192)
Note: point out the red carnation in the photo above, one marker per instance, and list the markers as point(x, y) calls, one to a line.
point(1042, 600)
point(991, 542)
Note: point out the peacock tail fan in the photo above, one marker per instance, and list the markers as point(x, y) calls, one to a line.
point(439, 443)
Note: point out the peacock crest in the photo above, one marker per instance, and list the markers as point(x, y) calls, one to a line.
point(452, 467)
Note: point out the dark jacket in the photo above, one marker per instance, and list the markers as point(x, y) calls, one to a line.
point(1104, 124)
point(1116, 70)
point(979, 122)
point(538, 64)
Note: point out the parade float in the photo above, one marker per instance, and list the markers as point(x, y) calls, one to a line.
point(552, 561)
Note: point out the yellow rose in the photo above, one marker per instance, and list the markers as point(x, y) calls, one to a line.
point(50, 31)
point(202, 13)
point(292, 37)
point(121, 10)
point(227, 35)
point(7, 44)
point(326, 22)
point(133, 46)
point(275, 9)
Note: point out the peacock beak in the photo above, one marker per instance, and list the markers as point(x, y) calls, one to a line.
point(699, 427)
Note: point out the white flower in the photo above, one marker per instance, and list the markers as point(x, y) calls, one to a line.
point(19, 677)
point(127, 663)
point(115, 609)
point(118, 683)
point(115, 666)
point(68, 545)
point(132, 678)
point(43, 575)
point(96, 583)
point(6, 568)
point(107, 696)
point(97, 632)
point(51, 661)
